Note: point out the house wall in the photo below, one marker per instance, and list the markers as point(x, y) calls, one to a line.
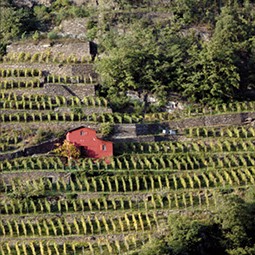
point(95, 147)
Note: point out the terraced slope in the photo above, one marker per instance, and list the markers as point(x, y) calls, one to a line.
point(51, 206)
point(90, 207)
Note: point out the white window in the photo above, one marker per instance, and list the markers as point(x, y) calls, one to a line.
point(82, 133)
point(104, 147)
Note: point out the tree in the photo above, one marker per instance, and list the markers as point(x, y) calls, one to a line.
point(155, 247)
point(192, 237)
point(13, 23)
point(221, 69)
point(234, 33)
point(146, 59)
point(10, 23)
point(210, 75)
point(237, 222)
point(68, 150)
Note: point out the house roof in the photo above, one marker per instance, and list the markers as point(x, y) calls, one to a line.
point(87, 128)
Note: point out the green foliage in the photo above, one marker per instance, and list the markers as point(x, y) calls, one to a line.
point(230, 231)
point(155, 247)
point(25, 190)
point(10, 24)
point(146, 59)
point(164, 59)
point(188, 236)
point(237, 222)
point(68, 150)
point(36, 35)
point(106, 129)
point(42, 135)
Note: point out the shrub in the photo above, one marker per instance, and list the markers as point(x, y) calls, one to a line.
point(52, 35)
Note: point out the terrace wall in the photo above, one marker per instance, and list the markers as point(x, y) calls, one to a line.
point(57, 69)
point(33, 175)
point(213, 120)
point(70, 90)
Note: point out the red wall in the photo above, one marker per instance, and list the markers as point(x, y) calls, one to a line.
point(94, 147)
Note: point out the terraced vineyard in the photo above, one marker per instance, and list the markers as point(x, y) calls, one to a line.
point(115, 208)
point(50, 206)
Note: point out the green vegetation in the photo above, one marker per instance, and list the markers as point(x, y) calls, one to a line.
point(203, 51)
point(230, 231)
point(183, 194)
point(67, 150)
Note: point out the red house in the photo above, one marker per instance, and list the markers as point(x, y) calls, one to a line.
point(91, 146)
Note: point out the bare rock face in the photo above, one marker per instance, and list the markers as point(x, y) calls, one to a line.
point(81, 2)
point(31, 3)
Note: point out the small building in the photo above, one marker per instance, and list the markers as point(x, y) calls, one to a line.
point(90, 146)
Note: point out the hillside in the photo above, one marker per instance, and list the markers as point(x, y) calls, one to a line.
point(170, 84)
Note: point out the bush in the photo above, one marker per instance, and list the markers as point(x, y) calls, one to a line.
point(52, 35)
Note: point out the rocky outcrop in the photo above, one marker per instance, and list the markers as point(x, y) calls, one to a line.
point(31, 3)
point(75, 28)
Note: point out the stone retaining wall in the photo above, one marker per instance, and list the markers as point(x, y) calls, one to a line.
point(34, 175)
point(57, 69)
point(213, 120)
point(70, 90)
point(82, 90)
point(146, 139)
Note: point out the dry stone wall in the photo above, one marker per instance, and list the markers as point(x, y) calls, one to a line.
point(153, 132)
point(55, 90)
point(84, 69)
point(57, 69)
point(86, 110)
point(37, 149)
point(214, 120)
point(81, 90)
point(145, 139)
point(32, 175)
point(71, 90)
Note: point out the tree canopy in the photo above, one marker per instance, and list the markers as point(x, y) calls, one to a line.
point(173, 58)
point(68, 150)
